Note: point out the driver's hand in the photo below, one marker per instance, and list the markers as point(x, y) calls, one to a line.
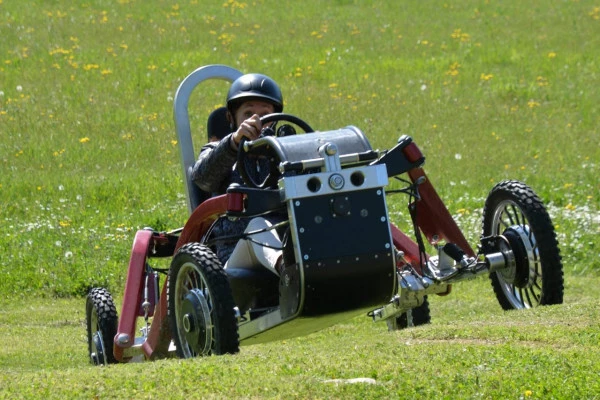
point(250, 129)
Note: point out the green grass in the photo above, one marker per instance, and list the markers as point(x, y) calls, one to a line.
point(471, 350)
point(489, 91)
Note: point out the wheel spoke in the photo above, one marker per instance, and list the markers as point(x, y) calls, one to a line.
point(501, 221)
point(529, 302)
point(186, 284)
point(509, 213)
point(532, 296)
point(193, 279)
point(536, 295)
point(524, 298)
point(530, 235)
point(518, 296)
point(518, 215)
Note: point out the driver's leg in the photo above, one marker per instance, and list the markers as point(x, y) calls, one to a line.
point(262, 248)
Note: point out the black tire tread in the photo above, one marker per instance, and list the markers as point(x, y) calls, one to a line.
point(420, 316)
point(226, 332)
point(543, 229)
point(100, 301)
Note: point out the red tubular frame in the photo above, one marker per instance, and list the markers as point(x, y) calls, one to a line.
point(131, 297)
point(433, 218)
point(202, 218)
point(157, 343)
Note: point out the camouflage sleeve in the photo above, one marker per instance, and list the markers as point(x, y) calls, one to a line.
point(212, 171)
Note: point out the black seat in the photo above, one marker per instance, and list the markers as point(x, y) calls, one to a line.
point(217, 127)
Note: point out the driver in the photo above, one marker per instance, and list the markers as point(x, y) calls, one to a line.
point(250, 97)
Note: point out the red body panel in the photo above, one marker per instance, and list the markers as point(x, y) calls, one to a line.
point(201, 219)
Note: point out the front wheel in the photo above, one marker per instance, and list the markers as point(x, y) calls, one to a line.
point(101, 322)
point(200, 304)
point(535, 275)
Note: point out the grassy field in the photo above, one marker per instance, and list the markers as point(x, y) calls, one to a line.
point(489, 90)
point(471, 350)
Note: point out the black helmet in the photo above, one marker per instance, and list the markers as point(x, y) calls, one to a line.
point(256, 86)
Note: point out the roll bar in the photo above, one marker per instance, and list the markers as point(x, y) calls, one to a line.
point(182, 122)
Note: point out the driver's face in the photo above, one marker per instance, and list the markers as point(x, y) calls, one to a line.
point(249, 108)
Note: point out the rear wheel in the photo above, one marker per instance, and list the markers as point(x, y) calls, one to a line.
point(534, 276)
point(101, 322)
point(414, 317)
point(200, 304)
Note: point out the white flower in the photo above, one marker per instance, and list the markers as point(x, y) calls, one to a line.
point(68, 254)
point(457, 156)
point(19, 88)
point(61, 187)
point(58, 243)
point(423, 87)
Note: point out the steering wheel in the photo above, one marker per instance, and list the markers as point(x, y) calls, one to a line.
point(274, 174)
point(289, 118)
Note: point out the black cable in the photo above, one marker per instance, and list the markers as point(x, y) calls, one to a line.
point(412, 208)
point(247, 236)
point(410, 190)
point(263, 244)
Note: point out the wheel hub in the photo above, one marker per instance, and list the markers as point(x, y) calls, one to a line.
point(97, 354)
point(522, 247)
point(188, 323)
point(196, 322)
